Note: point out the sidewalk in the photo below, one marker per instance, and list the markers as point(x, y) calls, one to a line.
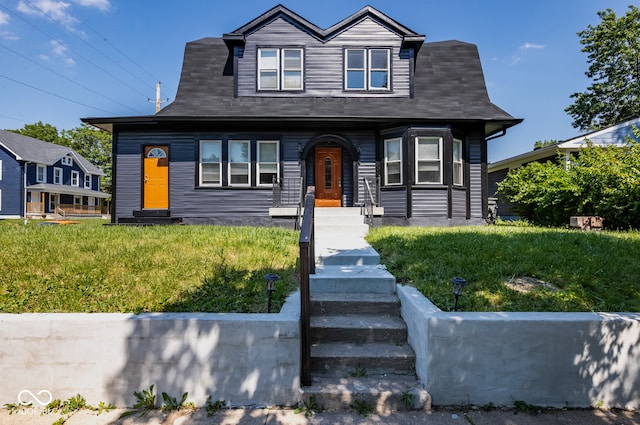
point(289, 417)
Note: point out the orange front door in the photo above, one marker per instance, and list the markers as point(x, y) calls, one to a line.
point(328, 169)
point(156, 177)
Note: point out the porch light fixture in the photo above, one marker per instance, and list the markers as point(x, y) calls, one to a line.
point(271, 278)
point(458, 284)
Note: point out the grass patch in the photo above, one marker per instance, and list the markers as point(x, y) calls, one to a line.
point(94, 268)
point(577, 271)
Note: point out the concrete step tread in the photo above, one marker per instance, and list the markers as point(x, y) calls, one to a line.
point(345, 303)
point(332, 212)
point(355, 298)
point(351, 271)
point(357, 322)
point(375, 350)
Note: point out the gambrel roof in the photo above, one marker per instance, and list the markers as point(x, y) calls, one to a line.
point(448, 84)
point(28, 149)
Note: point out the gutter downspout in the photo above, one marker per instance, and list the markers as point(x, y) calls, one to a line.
point(24, 184)
point(502, 133)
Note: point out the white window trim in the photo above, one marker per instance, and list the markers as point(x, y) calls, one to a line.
point(276, 70)
point(67, 160)
point(0, 199)
point(258, 163)
point(367, 69)
point(248, 163)
point(386, 162)
point(461, 162)
point(54, 201)
point(284, 69)
point(44, 173)
point(61, 181)
point(87, 181)
point(0, 169)
point(75, 178)
point(200, 182)
point(371, 69)
point(417, 159)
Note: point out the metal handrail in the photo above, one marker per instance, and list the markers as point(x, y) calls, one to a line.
point(307, 267)
point(369, 202)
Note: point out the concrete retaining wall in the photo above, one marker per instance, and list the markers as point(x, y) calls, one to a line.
point(546, 359)
point(244, 359)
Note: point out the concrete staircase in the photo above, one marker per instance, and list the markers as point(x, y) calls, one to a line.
point(359, 351)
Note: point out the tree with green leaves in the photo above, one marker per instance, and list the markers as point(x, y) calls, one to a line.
point(539, 144)
point(613, 49)
point(40, 131)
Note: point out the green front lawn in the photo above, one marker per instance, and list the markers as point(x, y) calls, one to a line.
point(512, 268)
point(89, 267)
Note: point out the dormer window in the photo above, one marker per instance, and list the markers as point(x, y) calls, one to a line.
point(280, 69)
point(67, 160)
point(367, 69)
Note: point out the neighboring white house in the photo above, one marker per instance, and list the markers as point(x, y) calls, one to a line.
point(616, 135)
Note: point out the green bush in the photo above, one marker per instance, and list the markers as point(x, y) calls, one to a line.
point(599, 181)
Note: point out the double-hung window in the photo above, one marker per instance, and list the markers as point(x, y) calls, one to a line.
point(428, 160)
point(457, 162)
point(41, 173)
point(280, 69)
point(239, 163)
point(210, 163)
point(57, 175)
point(367, 69)
point(67, 160)
point(393, 161)
point(75, 178)
point(267, 165)
point(87, 181)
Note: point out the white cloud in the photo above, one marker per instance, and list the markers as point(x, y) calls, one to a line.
point(4, 18)
point(56, 10)
point(8, 35)
point(59, 50)
point(102, 5)
point(532, 46)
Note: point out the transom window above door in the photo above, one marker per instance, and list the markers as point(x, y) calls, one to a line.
point(280, 69)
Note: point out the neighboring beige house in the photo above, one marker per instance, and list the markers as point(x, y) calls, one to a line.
point(616, 135)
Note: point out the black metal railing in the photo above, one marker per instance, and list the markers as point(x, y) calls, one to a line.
point(369, 201)
point(287, 191)
point(307, 267)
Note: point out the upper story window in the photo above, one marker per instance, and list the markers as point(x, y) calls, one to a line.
point(393, 161)
point(367, 69)
point(280, 69)
point(457, 162)
point(0, 169)
point(75, 178)
point(67, 160)
point(87, 181)
point(210, 162)
point(41, 173)
point(57, 175)
point(428, 160)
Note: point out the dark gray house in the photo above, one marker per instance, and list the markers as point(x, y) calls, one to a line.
point(362, 110)
point(40, 179)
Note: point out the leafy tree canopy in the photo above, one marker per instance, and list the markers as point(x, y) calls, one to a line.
point(539, 144)
point(613, 49)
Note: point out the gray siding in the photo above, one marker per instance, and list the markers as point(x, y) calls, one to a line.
point(458, 203)
point(475, 177)
point(323, 67)
point(429, 203)
point(128, 181)
point(394, 202)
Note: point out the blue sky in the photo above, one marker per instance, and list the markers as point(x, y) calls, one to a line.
point(61, 60)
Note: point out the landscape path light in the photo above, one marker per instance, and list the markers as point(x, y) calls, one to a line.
point(458, 284)
point(271, 278)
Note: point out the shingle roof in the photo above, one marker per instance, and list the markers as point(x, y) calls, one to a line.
point(448, 85)
point(28, 149)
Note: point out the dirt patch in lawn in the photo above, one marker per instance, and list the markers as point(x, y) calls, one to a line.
point(526, 284)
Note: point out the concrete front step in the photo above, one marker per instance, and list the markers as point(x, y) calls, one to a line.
point(331, 303)
point(383, 395)
point(352, 279)
point(358, 329)
point(342, 359)
point(342, 211)
point(334, 249)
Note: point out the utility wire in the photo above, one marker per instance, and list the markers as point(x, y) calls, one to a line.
point(86, 42)
point(73, 51)
point(56, 95)
point(69, 79)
